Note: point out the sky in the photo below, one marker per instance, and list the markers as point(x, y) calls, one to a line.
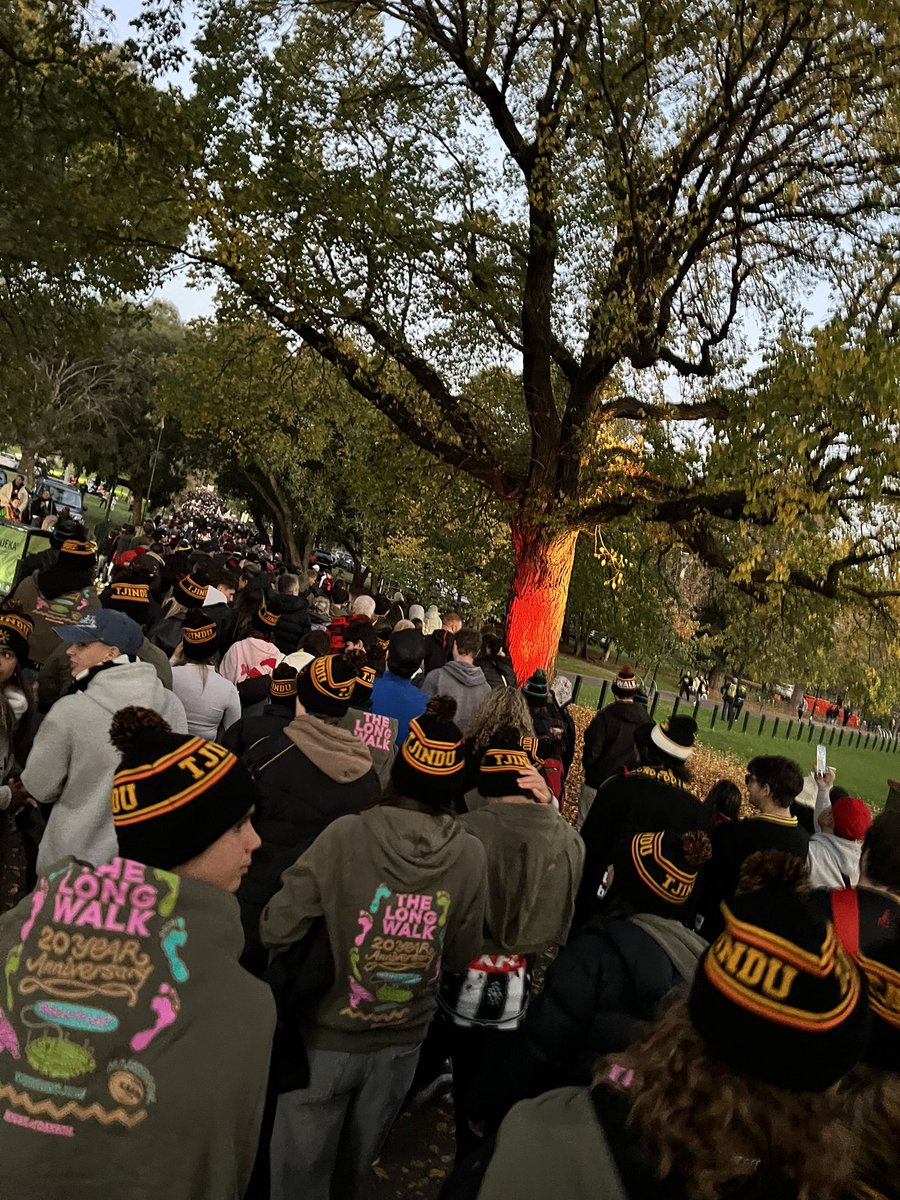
point(191, 301)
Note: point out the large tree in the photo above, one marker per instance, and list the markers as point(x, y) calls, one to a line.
point(595, 197)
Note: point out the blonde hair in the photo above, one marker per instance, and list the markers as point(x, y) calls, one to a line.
point(503, 707)
point(713, 1127)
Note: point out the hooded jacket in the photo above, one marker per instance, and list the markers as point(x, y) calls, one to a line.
point(534, 860)
point(55, 678)
point(600, 996)
point(72, 761)
point(833, 861)
point(379, 735)
point(309, 774)
point(134, 1051)
point(399, 698)
point(609, 740)
point(63, 608)
point(464, 682)
point(250, 658)
point(402, 892)
point(293, 621)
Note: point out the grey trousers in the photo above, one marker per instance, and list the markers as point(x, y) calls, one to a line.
point(327, 1135)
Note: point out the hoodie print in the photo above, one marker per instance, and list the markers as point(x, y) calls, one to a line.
point(374, 731)
point(396, 954)
point(86, 992)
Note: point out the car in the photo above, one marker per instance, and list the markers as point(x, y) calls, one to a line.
point(63, 495)
point(322, 558)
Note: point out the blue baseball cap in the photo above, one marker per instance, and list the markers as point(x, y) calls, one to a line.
point(108, 626)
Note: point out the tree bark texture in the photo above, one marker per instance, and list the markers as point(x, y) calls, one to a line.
point(540, 585)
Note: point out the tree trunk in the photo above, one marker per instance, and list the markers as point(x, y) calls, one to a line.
point(27, 465)
point(137, 504)
point(537, 606)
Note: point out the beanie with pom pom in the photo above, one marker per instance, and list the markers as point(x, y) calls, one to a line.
point(326, 685)
point(173, 795)
point(430, 765)
point(776, 996)
point(657, 872)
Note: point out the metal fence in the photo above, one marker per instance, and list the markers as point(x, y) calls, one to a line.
point(762, 725)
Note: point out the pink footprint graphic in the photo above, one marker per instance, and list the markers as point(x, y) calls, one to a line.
point(365, 923)
point(37, 903)
point(8, 1039)
point(165, 1004)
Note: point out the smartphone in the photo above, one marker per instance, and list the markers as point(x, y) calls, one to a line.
point(820, 759)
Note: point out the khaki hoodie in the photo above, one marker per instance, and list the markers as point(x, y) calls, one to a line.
point(134, 1051)
point(402, 892)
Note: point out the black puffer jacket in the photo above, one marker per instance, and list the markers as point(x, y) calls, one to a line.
point(599, 996)
point(293, 621)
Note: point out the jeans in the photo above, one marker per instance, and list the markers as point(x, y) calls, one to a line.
point(327, 1135)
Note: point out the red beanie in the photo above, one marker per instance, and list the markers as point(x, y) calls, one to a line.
point(851, 818)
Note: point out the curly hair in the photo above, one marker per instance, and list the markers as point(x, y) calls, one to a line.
point(712, 1127)
point(873, 1112)
point(504, 706)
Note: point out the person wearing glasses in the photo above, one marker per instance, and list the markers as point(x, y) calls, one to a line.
point(773, 783)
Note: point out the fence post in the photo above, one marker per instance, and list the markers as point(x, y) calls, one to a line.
point(831, 739)
point(603, 686)
point(799, 730)
point(654, 703)
point(746, 719)
point(787, 732)
point(762, 725)
point(577, 688)
point(696, 713)
point(821, 735)
point(775, 725)
point(715, 713)
point(841, 735)
point(675, 705)
point(809, 736)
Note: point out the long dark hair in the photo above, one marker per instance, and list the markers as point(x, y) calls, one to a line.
point(20, 735)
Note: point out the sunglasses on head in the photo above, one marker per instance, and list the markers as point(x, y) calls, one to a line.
point(748, 777)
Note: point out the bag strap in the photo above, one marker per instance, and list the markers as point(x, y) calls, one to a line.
point(845, 914)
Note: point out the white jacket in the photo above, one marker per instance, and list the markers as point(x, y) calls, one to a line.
point(833, 862)
point(72, 761)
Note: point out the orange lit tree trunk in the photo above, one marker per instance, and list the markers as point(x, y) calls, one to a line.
point(543, 567)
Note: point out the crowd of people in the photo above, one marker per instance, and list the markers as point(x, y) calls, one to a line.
point(279, 860)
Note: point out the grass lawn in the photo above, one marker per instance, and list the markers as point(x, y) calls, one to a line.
point(863, 772)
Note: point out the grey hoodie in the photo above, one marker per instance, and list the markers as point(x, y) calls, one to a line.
point(403, 893)
point(464, 682)
point(72, 761)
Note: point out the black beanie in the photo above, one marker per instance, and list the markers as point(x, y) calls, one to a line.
point(190, 592)
point(199, 636)
point(75, 555)
point(776, 997)
point(362, 693)
point(132, 599)
point(431, 762)
point(264, 620)
point(326, 685)
point(881, 966)
point(173, 795)
point(283, 685)
point(657, 872)
point(506, 756)
point(16, 627)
